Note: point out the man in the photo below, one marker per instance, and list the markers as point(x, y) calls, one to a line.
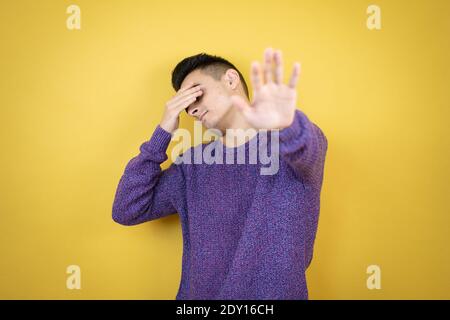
point(246, 235)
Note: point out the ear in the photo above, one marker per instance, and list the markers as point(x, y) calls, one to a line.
point(232, 79)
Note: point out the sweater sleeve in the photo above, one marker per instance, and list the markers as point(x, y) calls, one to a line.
point(303, 145)
point(145, 192)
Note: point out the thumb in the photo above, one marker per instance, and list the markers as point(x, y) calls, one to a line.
point(240, 103)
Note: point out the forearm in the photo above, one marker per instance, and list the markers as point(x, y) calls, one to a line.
point(303, 145)
point(135, 195)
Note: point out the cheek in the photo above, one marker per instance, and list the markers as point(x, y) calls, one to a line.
point(222, 102)
point(217, 102)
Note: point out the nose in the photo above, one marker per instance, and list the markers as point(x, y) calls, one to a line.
point(193, 110)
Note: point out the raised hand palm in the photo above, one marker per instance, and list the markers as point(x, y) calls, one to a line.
point(273, 105)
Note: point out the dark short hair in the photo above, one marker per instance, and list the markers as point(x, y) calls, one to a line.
point(213, 65)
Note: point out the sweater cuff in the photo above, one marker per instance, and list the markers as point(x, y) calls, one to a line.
point(159, 141)
point(297, 135)
point(297, 127)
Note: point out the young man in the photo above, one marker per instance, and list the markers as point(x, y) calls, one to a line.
point(246, 235)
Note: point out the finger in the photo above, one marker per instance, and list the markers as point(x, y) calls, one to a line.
point(244, 108)
point(191, 87)
point(189, 97)
point(187, 92)
point(268, 55)
point(278, 67)
point(295, 75)
point(257, 80)
point(187, 86)
point(241, 105)
point(182, 105)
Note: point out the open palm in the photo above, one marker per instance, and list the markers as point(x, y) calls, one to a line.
point(274, 103)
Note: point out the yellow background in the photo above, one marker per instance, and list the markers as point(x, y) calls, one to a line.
point(76, 105)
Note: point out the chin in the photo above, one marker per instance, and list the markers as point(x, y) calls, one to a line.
point(213, 122)
point(208, 125)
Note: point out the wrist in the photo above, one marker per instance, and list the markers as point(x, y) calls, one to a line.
point(289, 122)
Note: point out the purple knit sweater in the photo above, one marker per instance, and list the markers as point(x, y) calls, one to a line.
point(245, 235)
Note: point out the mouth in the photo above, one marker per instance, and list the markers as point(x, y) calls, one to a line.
point(203, 115)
